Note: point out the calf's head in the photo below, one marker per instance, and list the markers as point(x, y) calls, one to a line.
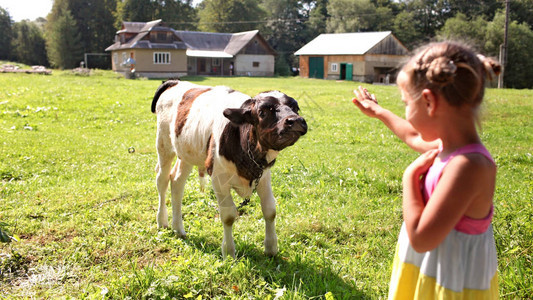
point(273, 117)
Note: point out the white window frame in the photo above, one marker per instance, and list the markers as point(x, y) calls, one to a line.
point(334, 67)
point(215, 62)
point(161, 58)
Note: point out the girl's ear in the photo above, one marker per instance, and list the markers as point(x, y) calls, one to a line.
point(431, 100)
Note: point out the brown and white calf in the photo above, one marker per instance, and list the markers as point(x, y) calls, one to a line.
point(232, 137)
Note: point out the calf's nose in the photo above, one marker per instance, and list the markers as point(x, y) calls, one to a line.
point(296, 123)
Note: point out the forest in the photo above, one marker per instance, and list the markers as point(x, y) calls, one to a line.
point(76, 27)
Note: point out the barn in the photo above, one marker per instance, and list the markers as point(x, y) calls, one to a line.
point(361, 56)
point(154, 50)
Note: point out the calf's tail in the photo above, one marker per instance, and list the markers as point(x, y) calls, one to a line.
point(163, 87)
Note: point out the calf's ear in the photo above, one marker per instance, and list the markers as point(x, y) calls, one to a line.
point(239, 116)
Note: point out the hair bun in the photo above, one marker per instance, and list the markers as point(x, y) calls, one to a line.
point(441, 71)
point(492, 67)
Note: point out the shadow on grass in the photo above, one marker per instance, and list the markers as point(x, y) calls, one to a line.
point(297, 274)
point(184, 78)
point(198, 78)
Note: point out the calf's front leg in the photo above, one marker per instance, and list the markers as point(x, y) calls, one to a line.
point(268, 206)
point(227, 211)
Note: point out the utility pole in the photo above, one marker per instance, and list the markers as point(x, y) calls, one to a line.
point(503, 47)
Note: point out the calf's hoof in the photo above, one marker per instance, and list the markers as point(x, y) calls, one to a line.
point(162, 224)
point(181, 234)
point(271, 252)
point(271, 247)
point(228, 252)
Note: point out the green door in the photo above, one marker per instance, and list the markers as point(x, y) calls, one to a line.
point(349, 72)
point(346, 71)
point(316, 67)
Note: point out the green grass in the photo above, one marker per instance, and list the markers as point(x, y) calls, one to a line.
point(84, 208)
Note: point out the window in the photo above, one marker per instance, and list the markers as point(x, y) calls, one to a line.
point(334, 67)
point(124, 57)
point(161, 36)
point(115, 58)
point(255, 64)
point(161, 58)
point(216, 62)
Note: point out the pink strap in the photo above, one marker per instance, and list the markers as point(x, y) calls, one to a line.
point(466, 225)
point(475, 226)
point(472, 148)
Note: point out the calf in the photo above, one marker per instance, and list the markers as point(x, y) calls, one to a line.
point(232, 137)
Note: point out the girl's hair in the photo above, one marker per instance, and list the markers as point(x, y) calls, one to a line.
point(451, 69)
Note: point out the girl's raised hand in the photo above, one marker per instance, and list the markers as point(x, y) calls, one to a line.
point(366, 102)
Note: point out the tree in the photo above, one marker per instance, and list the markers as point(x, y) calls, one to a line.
point(5, 38)
point(480, 8)
point(286, 30)
point(28, 44)
point(90, 23)
point(521, 12)
point(229, 15)
point(95, 24)
point(488, 36)
point(404, 29)
point(180, 15)
point(63, 41)
point(519, 67)
point(350, 16)
point(459, 28)
point(318, 17)
point(428, 16)
point(393, 5)
point(383, 19)
point(134, 11)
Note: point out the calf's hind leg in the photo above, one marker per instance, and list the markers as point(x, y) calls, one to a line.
point(163, 169)
point(179, 178)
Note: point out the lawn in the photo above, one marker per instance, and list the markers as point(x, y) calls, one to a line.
point(77, 190)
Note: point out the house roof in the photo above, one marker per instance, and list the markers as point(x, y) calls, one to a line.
point(198, 44)
point(204, 40)
point(136, 27)
point(240, 40)
point(142, 30)
point(357, 43)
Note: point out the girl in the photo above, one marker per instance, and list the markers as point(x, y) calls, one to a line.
point(446, 247)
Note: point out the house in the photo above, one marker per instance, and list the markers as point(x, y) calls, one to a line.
point(154, 50)
point(360, 56)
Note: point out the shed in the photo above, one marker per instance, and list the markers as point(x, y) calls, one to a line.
point(160, 51)
point(360, 56)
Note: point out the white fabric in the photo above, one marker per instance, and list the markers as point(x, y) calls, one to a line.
point(461, 261)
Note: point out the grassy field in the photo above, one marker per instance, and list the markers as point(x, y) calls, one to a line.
point(77, 189)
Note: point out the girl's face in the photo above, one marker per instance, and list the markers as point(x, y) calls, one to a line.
point(415, 109)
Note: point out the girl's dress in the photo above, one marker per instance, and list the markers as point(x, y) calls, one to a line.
point(463, 266)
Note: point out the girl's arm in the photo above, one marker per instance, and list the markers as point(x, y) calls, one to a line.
point(465, 188)
point(400, 127)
